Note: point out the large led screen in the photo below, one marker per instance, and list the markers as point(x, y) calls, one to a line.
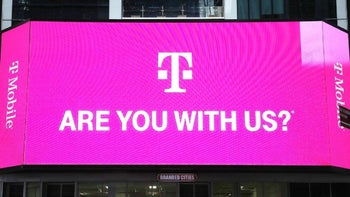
point(185, 93)
point(13, 87)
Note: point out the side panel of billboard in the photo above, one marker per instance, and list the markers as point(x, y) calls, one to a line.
point(336, 56)
point(13, 89)
point(174, 93)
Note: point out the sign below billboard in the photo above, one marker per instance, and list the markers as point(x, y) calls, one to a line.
point(177, 177)
point(176, 93)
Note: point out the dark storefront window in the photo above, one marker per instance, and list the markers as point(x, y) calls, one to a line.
point(319, 189)
point(194, 190)
point(340, 189)
point(80, 10)
point(263, 189)
point(58, 190)
point(158, 189)
point(127, 190)
point(223, 189)
point(13, 189)
point(261, 9)
point(287, 10)
point(97, 10)
point(299, 190)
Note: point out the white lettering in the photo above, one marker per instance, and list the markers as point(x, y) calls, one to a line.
point(13, 69)
point(141, 120)
point(339, 89)
point(100, 119)
point(135, 120)
point(184, 119)
point(225, 120)
point(247, 121)
point(211, 116)
point(124, 119)
point(164, 122)
point(11, 96)
point(67, 121)
point(268, 116)
point(85, 119)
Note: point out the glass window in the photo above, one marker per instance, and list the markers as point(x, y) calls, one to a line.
point(254, 9)
point(93, 190)
point(222, 190)
point(251, 190)
point(13, 189)
point(58, 190)
point(186, 190)
point(263, 190)
point(168, 189)
point(261, 9)
point(340, 189)
point(172, 9)
point(320, 189)
point(127, 189)
point(201, 190)
point(33, 190)
point(118, 189)
point(194, 190)
point(275, 190)
point(278, 7)
point(299, 190)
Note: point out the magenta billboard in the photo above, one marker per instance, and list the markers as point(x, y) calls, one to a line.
point(181, 93)
point(13, 94)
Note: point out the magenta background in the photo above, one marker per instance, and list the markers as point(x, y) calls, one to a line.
point(236, 66)
point(15, 46)
point(336, 49)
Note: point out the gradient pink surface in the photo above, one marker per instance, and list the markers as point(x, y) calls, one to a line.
point(337, 68)
point(15, 48)
point(236, 67)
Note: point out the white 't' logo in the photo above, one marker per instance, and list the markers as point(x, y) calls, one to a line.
point(175, 70)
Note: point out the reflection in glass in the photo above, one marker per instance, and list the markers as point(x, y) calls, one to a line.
point(93, 190)
point(222, 190)
point(263, 190)
point(33, 190)
point(174, 8)
point(133, 189)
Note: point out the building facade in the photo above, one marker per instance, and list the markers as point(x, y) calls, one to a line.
point(151, 98)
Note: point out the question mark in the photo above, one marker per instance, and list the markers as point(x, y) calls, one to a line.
point(287, 116)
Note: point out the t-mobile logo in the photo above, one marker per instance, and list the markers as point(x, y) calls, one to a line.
point(175, 70)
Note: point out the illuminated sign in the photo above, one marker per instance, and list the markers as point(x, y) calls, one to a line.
point(174, 93)
point(177, 177)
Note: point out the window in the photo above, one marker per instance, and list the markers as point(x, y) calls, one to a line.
point(58, 190)
point(13, 189)
point(33, 190)
point(222, 189)
point(261, 9)
point(137, 189)
point(263, 190)
point(173, 8)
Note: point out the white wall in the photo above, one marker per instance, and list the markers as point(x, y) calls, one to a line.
point(342, 13)
point(115, 9)
point(6, 14)
point(230, 9)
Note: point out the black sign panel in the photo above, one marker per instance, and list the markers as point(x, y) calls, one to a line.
point(344, 114)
